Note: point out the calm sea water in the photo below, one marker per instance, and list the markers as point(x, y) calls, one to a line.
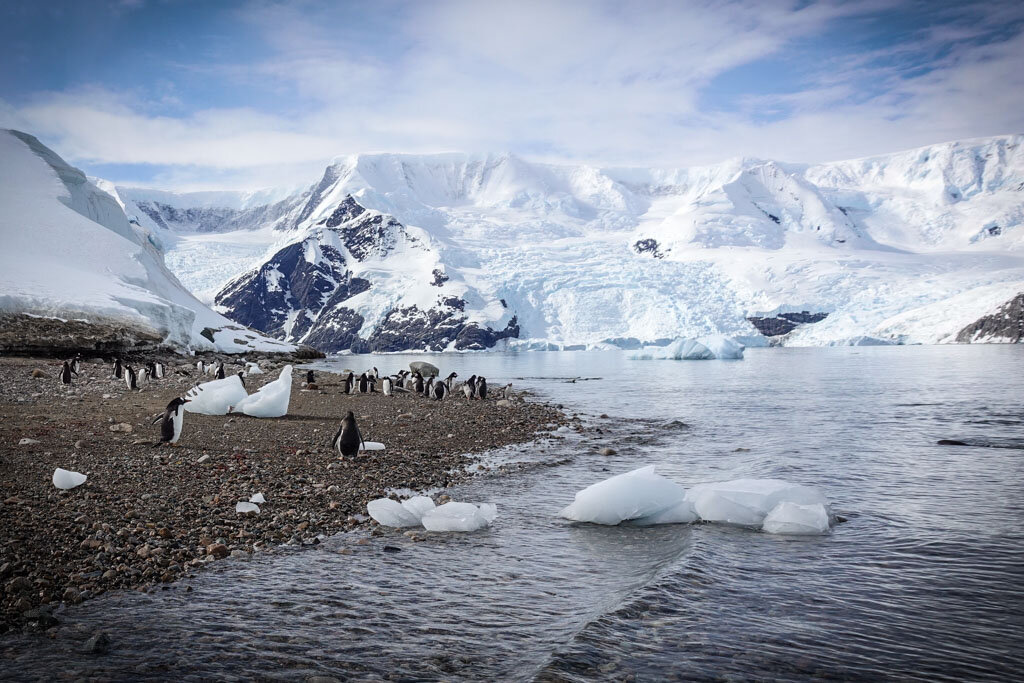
point(924, 581)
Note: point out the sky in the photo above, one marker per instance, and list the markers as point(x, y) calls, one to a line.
point(242, 94)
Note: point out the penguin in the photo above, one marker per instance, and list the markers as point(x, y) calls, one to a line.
point(349, 383)
point(440, 391)
point(400, 382)
point(348, 438)
point(201, 367)
point(171, 421)
point(66, 372)
point(375, 374)
point(469, 388)
point(118, 370)
point(385, 386)
point(151, 366)
point(506, 391)
point(159, 367)
point(417, 382)
point(309, 377)
point(241, 378)
point(481, 388)
point(428, 388)
point(131, 380)
point(364, 384)
point(448, 381)
point(76, 363)
point(143, 376)
point(220, 371)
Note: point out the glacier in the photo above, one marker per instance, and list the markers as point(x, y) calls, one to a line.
point(498, 252)
point(71, 253)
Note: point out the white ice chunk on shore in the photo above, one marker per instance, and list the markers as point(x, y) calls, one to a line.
point(680, 513)
point(793, 518)
point(455, 516)
point(65, 479)
point(244, 508)
point(705, 348)
point(257, 498)
point(418, 505)
point(371, 446)
point(270, 400)
point(391, 513)
point(633, 495)
point(747, 501)
point(216, 397)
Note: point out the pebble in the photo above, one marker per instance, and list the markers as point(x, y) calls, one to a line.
point(218, 550)
point(203, 459)
point(98, 644)
point(607, 451)
point(121, 427)
point(79, 444)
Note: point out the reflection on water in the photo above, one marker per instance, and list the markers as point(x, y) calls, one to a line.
point(923, 581)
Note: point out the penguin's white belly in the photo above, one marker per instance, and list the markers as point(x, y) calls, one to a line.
point(177, 420)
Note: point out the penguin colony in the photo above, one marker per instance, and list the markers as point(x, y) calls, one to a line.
point(347, 441)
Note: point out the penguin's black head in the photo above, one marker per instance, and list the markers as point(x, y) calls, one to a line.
point(173, 405)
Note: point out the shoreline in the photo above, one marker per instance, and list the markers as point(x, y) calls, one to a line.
point(148, 516)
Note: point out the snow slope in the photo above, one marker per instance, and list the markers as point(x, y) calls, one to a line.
point(69, 251)
point(908, 247)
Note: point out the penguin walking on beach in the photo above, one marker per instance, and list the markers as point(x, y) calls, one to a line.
point(118, 370)
point(428, 388)
point(386, 385)
point(365, 384)
point(309, 377)
point(143, 376)
point(131, 380)
point(76, 363)
point(439, 391)
point(172, 421)
point(481, 388)
point(349, 383)
point(65, 373)
point(348, 439)
point(506, 391)
point(220, 370)
point(417, 382)
point(469, 388)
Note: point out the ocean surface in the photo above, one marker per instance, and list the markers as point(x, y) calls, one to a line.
point(924, 581)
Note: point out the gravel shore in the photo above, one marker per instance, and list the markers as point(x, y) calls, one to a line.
point(151, 515)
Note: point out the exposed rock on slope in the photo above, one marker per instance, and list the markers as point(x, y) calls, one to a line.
point(1005, 325)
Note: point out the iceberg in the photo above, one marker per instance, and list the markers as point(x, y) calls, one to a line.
point(216, 397)
point(391, 513)
point(793, 518)
point(64, 479)
point(633, 495)
point(747, 501)
point(713, 347)
point(270, 400)
point(460, 517)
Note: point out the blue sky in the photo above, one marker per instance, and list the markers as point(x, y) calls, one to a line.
point(242, 93)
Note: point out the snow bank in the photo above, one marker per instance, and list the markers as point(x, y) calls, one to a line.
point(64, 479)
point(647, 498)
point(216, 397)
point(420, 510)
point(270, 400)
point(714, 347)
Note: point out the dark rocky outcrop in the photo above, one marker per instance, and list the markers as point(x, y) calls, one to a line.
point(648, 246)
point(49, 337)
point(1006, 324)
point(439, 278)
point(784, 323)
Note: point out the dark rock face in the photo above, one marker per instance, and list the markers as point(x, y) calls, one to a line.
point(1006, 324)
point(439, 278)
point(648, 246)
point(27, 335)
point(472, 337)
point(435, 330)
point(784, 323)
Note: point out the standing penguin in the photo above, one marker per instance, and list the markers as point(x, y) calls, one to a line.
point(348, 438)
point(481, 388)
point(201, 367)
point(76, 363)
point(385, 386)
point(131, 380)
point(469, 388)
point(118, 371)
point(65, 373)
point(171, 421)
point(506, 391)
point(241, 378)
point(375, 374)
point(349, 383)
point(439, 391)
point(428, 388)
point(220, 370)
point(143, 376)
point(159, 370)
point(417, 382)
point(448, 381)
point(309, 377)
point(364, 384)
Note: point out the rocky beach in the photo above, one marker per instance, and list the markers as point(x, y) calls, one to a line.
point(149, 515)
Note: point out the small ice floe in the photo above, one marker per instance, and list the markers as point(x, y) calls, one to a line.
point(64, 479)
point(257, 498)
point(216, 397)
point(646, 498)
point(716, 346)
point(243, 508)
point(270, 400)
point(371, 446)
point(421, 511)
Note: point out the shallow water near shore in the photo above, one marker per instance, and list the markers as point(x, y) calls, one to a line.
point(923, 580)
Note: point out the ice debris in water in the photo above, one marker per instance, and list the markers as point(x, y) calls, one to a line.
point(243, 508)
point(647, 498)
point(64, 479)
point(216, 397)
point(632, 495)
point(793, 518)
point(716, 346)
point(257, 498)
point(420, 511)
point(270, 400)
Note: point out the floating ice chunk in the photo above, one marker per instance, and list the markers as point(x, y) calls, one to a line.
point(257, 498)
point(64, 479)
point(418, 505)
point(243, 508)
point(459, 517)
point(391, 513)
point(793, 518)
point(371, 446)
point(705, 348)
point(633, 495)
point(270, 400)
point(747, 501)
point(680, 513)
point(216, 397)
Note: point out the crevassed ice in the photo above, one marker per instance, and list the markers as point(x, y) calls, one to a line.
point(704, 348)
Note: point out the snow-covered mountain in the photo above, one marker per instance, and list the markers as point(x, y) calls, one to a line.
point(908, 247)
point(70, 252)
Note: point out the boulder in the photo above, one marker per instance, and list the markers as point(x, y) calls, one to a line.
point(426, 369)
